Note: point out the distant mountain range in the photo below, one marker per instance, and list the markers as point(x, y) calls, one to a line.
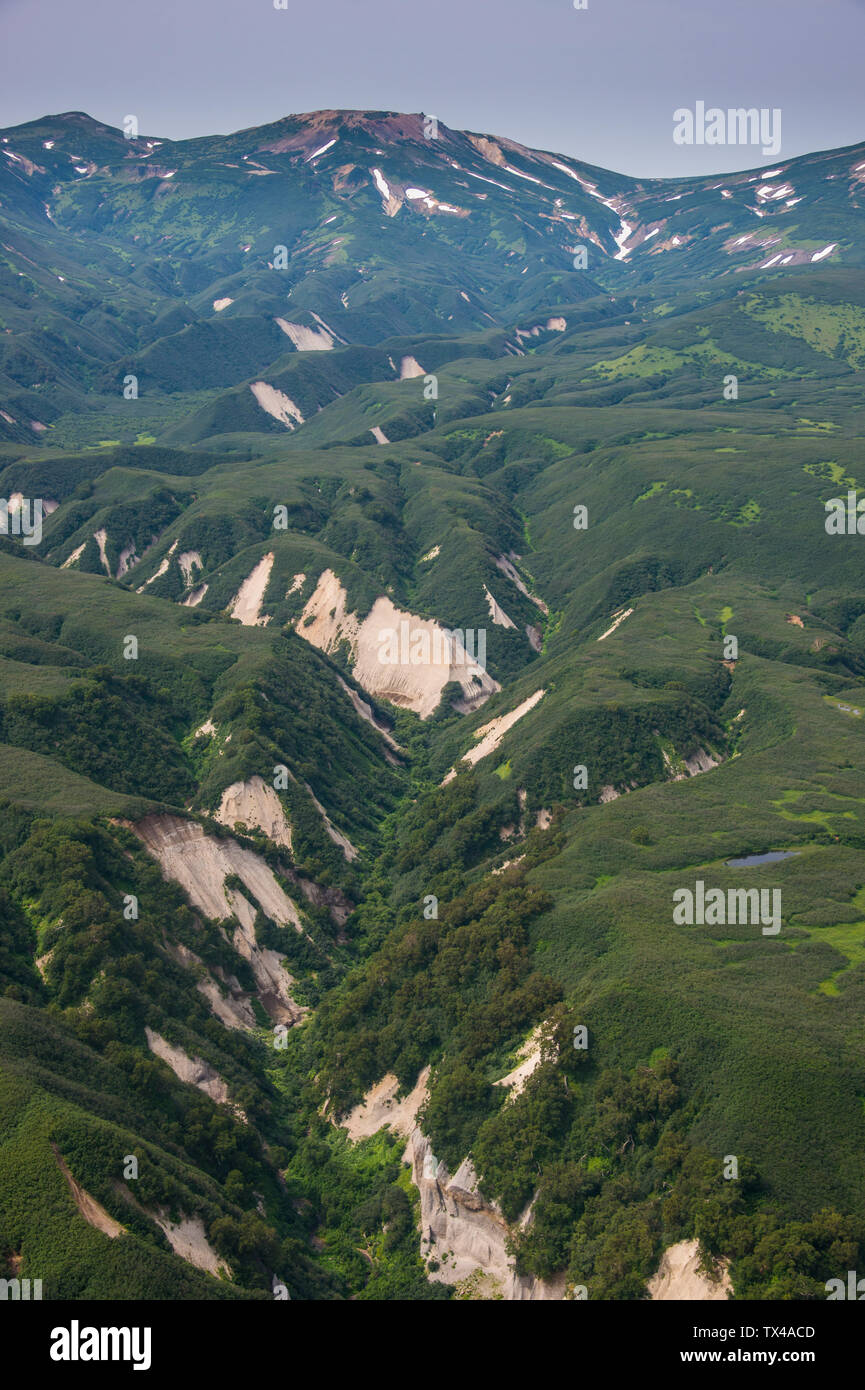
point(386, 233)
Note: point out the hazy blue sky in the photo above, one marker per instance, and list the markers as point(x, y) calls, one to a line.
point(600, 84)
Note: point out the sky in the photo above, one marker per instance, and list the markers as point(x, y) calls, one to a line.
point(600, 83)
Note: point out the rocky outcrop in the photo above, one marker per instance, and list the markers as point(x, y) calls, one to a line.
point(396, 655)
point(679, 769)
point(201, 864)
point(93, 1212)
point(337, 836)
point(465, 1234)
point(365, 711)
point(192, 1070)
point(381, 1107)
point(530, 1057)
point(188, 1239)
point(246, 604)
point(680, 1276)
point(490, 735)
point(254, 804)
point(462, 1234)
point(232, 1008)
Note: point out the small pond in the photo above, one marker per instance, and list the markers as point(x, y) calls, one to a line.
point(771, 858)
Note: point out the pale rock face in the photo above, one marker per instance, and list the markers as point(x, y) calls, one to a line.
point(272, 979)
point(618, 619)
point(325, 622)
point(277, 404)
point(380, 1107)
point(163, 566)
point(497, 613)
point(364, 710)
point(465, 1233)
point(337, 836)
point(509, 569)
point(232, 1009)
point(416, 685)
point(201, 864)
point(254, 803)
point(188, 1239)
point(192, 1070)
point(490, 735)
point(306, 339)
point(187, 561)
point(409, 368)
point(233, 1013)
point(127, 560)
point(679, 1276)
point(530, 1059)
point(100, 537)
point(699, 762)
point(246, 604)
point(194, 597)
point(76, 555)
